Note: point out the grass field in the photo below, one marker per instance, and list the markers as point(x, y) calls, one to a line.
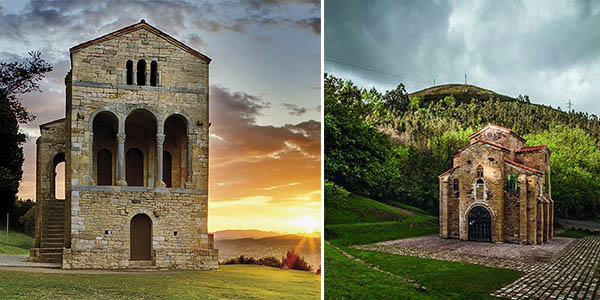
point(348, 279)
point(18, 243)
point(574, 233)
point(228, 282)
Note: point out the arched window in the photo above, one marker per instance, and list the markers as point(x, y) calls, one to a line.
point(479, 171)
point(129, 66)
point(104, 167)
point(134, 164)
point(153, 73)
point(479, 189)
point(141, 72)
point(167, 169)
point(455, 187)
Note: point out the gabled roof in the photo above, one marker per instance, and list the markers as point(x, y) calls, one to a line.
point(456, 155)
point(533, 148)
point(522, 166)
point(497, 127)
point(449, 171)
point(52, 122)
point(137, 26)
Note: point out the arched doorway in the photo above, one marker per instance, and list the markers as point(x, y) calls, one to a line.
point(480, 225)
point(167, 169)
point(140, 238)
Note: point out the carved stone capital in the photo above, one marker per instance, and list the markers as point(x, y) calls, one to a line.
point(160, 138)
point(121, 138)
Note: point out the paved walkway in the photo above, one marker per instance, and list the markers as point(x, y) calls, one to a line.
point(574, 275)
point(525, 258)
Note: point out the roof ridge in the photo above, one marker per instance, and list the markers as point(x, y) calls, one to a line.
point(136, 26)
point(453, 168)
point(522, 166)
point(502, 127)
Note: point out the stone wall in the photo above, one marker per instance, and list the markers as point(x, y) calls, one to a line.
point(101, 227)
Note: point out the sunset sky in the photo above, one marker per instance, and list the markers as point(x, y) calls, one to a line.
point(264, 94)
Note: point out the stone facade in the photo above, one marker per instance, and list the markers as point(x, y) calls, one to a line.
point(498, 190)
point(132, 95)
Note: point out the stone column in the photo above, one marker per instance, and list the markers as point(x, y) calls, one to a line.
point(160, 140)
point(190, 141)
point(121, 159)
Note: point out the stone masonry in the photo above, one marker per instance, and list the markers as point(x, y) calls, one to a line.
point(498, 190)
point(135, 144)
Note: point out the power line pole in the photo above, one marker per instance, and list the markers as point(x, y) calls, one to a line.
point(7, 228)
point(465, 78)
point(434, 82)
point(569, 105)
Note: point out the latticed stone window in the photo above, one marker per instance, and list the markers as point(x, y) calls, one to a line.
point(455, 187)
point(479, 171)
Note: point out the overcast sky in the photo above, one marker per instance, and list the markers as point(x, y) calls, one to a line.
point(264, 94)
point(549, 50)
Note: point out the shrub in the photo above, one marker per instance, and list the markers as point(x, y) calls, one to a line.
point(293, 261)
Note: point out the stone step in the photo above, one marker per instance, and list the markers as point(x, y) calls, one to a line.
point(56, 250)
point(142, 264)
point(46, 258)
point(54, 235)
point(51, 245)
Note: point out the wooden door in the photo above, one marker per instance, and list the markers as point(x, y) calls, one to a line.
point(134, 164)
point(480, 225)
point(140, 237)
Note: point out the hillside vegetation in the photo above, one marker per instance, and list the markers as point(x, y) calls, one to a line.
point(392, 146)
point(18, 243)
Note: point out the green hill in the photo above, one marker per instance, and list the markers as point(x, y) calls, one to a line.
point(461, 92)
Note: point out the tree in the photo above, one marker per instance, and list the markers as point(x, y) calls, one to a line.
point(16, 78)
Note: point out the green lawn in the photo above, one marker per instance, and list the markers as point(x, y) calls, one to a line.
point(366, 233)
point(575, 233)
point(358, 209)
point(228, 282)
point(348, 279)
point(18, 243)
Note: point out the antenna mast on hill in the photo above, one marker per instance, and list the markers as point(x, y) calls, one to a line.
point(434, 82)
point(465, 78)
point(569, 105)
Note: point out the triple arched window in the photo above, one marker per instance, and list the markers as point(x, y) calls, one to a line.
point(140, 74)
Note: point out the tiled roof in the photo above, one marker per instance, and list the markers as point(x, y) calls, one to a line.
point(532, 148)
point(449, 171)
point(514, 163)
point(497, 126)
point(456, 155)
point(134, 27)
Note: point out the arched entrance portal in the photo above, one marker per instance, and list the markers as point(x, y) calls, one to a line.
point(480, 225)
point(140, 237)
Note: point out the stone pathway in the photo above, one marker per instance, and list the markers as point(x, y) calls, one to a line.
point(13, 260)
point(574, 275)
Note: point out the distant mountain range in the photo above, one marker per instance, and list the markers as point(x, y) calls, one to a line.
point(258, 243)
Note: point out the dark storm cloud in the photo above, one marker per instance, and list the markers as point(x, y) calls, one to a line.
point(548, 50)
point(313, 24)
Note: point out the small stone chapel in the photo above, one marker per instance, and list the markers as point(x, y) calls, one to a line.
point(135, 146)
point(498, 191)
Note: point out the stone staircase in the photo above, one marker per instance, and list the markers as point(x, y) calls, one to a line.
point(53, 231)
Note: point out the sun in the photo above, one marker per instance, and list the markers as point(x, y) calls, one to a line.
point(307, 223)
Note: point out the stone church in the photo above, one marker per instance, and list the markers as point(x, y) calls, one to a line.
point(135, 146)
point(498, 191)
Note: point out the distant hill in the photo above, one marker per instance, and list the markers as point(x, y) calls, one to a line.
point(244, 233)
point(308, 247)
point(461, 92)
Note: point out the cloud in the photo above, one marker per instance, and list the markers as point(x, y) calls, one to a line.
point(549, 51)
point(313, 24)
point(294, 109)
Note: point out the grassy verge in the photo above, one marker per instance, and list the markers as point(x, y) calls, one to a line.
point(18, 243)
point(228, 282)
point(366, 233)
point(443, 279)
point(359, 209)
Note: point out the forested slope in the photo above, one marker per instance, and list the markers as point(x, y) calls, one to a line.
point(392, 146)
